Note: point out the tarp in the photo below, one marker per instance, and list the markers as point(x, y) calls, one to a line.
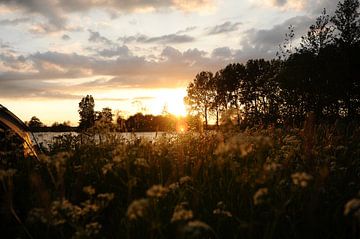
point(11, 121)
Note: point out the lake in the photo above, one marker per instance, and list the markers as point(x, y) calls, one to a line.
point(46, 138)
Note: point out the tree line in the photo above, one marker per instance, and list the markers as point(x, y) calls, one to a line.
point(104, 119)
point(91, 119)
point(320, 75)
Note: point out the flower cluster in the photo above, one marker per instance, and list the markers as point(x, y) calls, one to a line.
point(301, 179)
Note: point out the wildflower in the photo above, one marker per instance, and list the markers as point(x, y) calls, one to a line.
point(107, 168)
point(220, 210)
point(301, 179)
point(272, 166)
point(89, 207)
point(173, 186)
point(185, 180)
point(137, 209)
point(181, 213)
point(89, 190)
point(92, 228)
point(352, 206)
point(106, 196)
point(141, 162)
point(246, 149)
point(259, 196)
point(157, 191)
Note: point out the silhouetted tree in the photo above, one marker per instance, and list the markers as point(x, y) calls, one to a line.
point(229, 82)
point(199, 94)
point(105, 116)
point(346, 21)
point(35, 123)
point(319, 35)
point(86, 112)
point(347, 24)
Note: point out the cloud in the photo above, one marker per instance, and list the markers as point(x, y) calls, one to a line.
point(164, 39)
point(14, 22)
point(186, 30)
point(310, 6)
point(223, 28)
point(56, 11)
point(95, 37)
point(119, 51)
point(65, 37)
point(264, 43)
point(131, 5)
point(172, 68)
point(49, 9)
point(222, 52)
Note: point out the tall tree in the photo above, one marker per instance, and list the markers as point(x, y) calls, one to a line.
point(346, 21)
point(319, 35)
point(229, 83)
point(199, 94)
point(86, 112)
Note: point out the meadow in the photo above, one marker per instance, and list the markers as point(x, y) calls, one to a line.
point(254, 183)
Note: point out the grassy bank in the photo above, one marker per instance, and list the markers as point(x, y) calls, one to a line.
point(257, 183)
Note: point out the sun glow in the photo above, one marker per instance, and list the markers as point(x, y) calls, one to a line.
point(170, 101)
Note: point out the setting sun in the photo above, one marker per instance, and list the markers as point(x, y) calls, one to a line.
point(170, 101)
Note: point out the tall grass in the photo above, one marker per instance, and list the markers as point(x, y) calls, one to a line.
point(257, 183)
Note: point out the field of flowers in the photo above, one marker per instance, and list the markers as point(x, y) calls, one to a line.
point(256, 183)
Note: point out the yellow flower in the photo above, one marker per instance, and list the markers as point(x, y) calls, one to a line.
point(157, 191)
point(181, 213)
point(301, 179)
point(137, 209)
point(89, 190)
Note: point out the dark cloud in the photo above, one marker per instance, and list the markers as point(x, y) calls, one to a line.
point(164, 39)
point(66, 37)
point(264, 43)
point(56, 11)
point(222, 52)
point(118, 51)
point(97, 38)
point(49, 9)
point(13, 61)
point(223, 28)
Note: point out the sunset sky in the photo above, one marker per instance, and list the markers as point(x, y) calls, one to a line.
point(131, 55)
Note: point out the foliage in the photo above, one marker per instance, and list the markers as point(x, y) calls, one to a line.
point(257, 183)
point(319, 76)
point(35, 123)
point(86, 112)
